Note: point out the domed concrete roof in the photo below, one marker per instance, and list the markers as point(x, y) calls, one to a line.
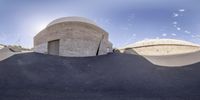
point(71, 19)
point(159, 47)
point(150, 42)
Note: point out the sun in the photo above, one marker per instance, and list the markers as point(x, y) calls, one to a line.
point(38, 26)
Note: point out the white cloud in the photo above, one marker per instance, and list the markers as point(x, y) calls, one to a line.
point(198, 36)
point(181, 10)
point(146, 39)
point(131, 17)
point(164, 34)
point(175, 15)
point(129, 24)
point(175, 22)
point(175, 25)
point(173, 34)
point(157, 37)
point(133, 35)
point(187, 32)
point(124, 28)
point(178, 28)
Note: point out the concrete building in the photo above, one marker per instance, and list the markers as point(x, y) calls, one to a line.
point(165, 52)
point(74, 37)
point(160, 47)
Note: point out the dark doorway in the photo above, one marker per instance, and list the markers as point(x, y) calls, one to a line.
point(53, 47)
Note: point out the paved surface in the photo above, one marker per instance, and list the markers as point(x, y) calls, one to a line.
point(34, 76)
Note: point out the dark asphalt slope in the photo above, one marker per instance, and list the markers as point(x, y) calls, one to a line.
point(34, 76)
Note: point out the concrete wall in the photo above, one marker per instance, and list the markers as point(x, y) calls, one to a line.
point(1, 46)
point(167, 55)
point(77, 39)
point(5, 53)
point(41, 48)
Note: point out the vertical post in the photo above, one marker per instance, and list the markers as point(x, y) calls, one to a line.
point(99, 46)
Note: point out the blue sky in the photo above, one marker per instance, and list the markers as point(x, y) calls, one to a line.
point(126, 21)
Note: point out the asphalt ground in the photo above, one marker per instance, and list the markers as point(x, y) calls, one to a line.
point(34, 76)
